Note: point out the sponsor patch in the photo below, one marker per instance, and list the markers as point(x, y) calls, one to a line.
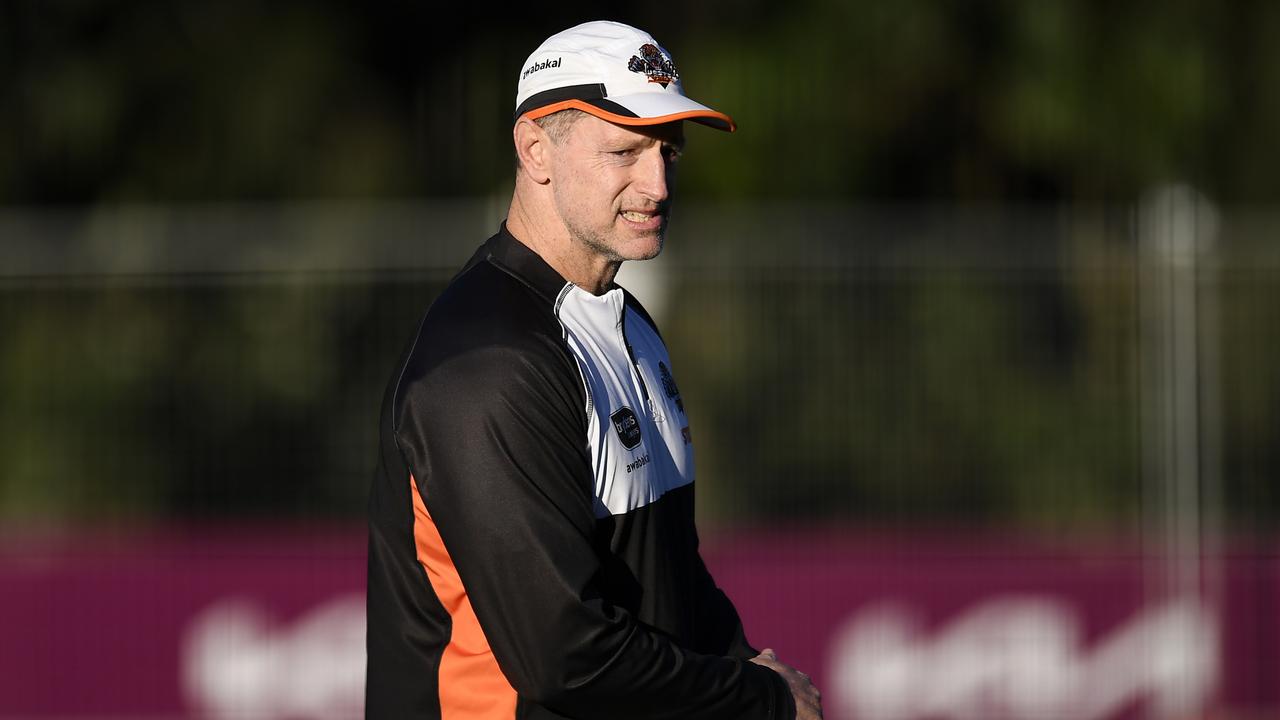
point(628, 427)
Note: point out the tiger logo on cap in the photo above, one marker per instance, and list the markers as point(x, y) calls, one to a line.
point(655, 64)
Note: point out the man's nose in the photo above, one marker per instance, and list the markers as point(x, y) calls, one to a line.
point(653, 175)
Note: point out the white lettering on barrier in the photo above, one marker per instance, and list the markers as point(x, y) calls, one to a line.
point(1021, 658)
point(238, 663)
point(1012, 658)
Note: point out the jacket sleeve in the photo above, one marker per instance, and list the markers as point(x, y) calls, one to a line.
point(497, 440)
point(721, 630)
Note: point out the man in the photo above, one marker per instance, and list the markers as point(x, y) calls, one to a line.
point(532, 550)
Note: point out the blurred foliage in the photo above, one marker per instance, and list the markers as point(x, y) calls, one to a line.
point(920, 388)
point(963, 371)
point(889, 370)
point(237, 397)
point(822, 384)
point(997, 100)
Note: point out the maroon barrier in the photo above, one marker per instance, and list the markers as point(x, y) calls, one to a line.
point(252, 622)
point(980, 626)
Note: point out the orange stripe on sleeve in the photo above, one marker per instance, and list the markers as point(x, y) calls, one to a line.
point(472, 686)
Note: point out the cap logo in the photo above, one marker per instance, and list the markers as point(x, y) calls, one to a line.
point(655, 64)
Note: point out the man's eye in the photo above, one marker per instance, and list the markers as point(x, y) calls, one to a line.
point(672, 153)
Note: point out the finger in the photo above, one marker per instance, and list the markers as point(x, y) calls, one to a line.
point(808, 711)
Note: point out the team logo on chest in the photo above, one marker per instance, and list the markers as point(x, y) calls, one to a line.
point(669, 386)
point(628, 427)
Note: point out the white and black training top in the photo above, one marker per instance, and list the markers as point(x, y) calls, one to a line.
point(532, 550)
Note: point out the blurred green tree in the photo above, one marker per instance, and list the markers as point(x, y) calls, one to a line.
point(948, 390)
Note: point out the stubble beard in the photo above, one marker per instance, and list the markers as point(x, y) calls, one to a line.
point(597, 243)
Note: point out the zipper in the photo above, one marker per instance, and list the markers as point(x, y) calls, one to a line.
point(635, 371)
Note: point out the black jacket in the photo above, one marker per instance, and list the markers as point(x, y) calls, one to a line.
point(532, 550)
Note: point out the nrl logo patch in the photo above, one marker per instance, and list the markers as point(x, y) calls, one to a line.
point(628, 427)
point(653, 63)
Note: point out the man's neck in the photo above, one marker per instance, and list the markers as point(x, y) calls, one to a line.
point(550, 239)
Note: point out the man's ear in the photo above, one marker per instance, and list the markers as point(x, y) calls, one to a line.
point(533, 148)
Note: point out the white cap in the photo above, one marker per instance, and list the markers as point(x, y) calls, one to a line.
point(613, 71)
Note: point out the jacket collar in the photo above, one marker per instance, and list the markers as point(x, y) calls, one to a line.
point(513, 256)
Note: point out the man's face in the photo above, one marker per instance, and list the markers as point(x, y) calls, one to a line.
point(613, 184)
